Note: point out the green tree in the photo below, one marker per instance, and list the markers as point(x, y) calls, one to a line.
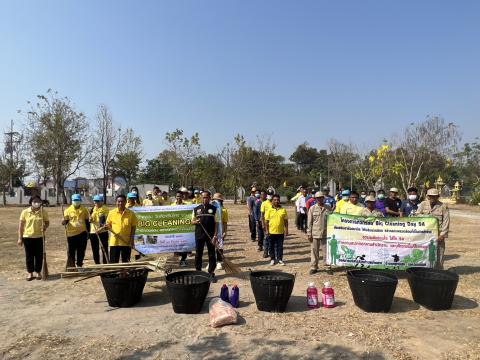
point(127, 161)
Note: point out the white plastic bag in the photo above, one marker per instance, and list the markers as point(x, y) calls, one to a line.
point(221, 313)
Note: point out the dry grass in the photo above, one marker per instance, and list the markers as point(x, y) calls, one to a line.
point(58, 318)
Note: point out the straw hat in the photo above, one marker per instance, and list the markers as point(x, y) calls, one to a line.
point(394, 189)
point(433, 192)
point(149, 192)
point(217, 196)
point(318, 194)
point(370, 198)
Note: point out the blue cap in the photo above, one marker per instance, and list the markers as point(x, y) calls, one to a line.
point(76, 197)
point(131, 196)
point(98, 198)
point(346, 192)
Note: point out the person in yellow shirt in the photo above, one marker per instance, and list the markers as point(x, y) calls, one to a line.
point(352, 207)
point(149, 201)
point(264, 207)
point(131, 200)
point(197, 198)
point(76, 218)
point(98, 218)
point(122, 223)
point(218, 202)
point(276, 220)
point(157, 196)
point(344, 200)
point(33, 223)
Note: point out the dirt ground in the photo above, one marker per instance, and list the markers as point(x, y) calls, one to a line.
point(58, 318)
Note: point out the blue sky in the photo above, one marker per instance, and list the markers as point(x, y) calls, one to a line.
point(298, 70)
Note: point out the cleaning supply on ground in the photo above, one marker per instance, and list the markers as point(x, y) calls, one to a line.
point(312, 296)
point(221, 313)
point(235, 296)
point(224, 293)
point(328, 296)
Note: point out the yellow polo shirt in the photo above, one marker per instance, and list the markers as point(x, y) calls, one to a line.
point(95, 218)
point(121, 224)
point(77, 217)
point(276, 220)
point(267, 204)
point(350, 209)
point(340, 203)
point(33, 222)
point(197, 200)
point(224, 215)
point(148, 202)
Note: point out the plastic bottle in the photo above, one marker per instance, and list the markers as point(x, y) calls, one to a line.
point(312, 296)
point(235, 296)
point(224, 293)
point(328, 296)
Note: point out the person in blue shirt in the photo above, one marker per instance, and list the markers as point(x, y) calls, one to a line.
point(328, 200)
point(260, 196)
point(380, 203)
point(410, 205)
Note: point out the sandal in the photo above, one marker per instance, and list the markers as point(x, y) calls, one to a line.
point(39, 277)
point(29, 278)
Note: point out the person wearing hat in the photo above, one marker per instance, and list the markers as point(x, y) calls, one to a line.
point(98, 218)
point(369, 209)
point(131, 200)
point(410, 205)
point(317, 230)
point(434, 207)
point(352, 207)
point(134, 191)
point(122, 223)
point(76, 218)
point(197, 197)
point(343, 201)
point(393, 203)
point(218, 202)
point(33, 223)
point(328, 200)
point(148, 201)
point(251, 219)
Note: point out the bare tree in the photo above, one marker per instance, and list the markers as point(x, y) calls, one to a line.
point(421, 146)
point(128, 157)
point(268, 160)
point(58, 138)
point(108, 142)
point(341, 161)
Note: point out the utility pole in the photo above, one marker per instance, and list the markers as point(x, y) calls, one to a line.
point(12, 138)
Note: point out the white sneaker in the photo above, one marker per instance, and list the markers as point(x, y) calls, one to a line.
point(272, 262)
point(206, 268)
point(280, 262)
point(219, 266)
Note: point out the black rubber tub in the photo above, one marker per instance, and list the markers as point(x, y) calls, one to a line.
point(372, 290)
point(432, 288)
point(125, 289)
point(272, 289)
point(188, 290)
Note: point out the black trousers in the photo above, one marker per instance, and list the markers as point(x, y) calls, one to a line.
point(200, 243)
point(261, 234)
point(96, 246)
point(33, 254)
point(120, 251)
point(183, 256)
point(302, 219)
point(253, 227)
point(77, 245)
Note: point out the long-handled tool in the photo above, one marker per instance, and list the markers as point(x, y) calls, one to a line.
point(230, 267)
point(123, 239)
point(105, 255)
point(44, 266)
point(70, 261)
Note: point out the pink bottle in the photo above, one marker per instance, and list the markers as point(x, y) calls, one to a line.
point(328, 296)
point(312, 296)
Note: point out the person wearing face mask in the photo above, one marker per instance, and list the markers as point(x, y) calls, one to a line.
point(76, 217)
point(380, 203)
point(260, 196)
point(98, 217)
point(410, 205)
point(218, 202)
point(343, 201)
point(30, 230)
point(361, 199)
point(434, 207)
point(266, 205)
point(393, 203)
point(138, 200)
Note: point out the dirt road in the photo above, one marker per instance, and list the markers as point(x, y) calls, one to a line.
point(58, 318)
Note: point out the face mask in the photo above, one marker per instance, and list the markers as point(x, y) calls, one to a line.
point(412, 197)
point(381, 196)
point(363, 196)
point(134, 191)
point(76, 203)
point(36, 205)
point(257, 196)
point(345, 198)
point(269, 197)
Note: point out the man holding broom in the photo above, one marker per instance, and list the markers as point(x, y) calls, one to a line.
point(98, 234)
point(122, 223)
point(76, 219)
point(206, 228)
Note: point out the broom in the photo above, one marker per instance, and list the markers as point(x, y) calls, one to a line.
point(230, 267)
point(70, 261)
point(44, 273)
